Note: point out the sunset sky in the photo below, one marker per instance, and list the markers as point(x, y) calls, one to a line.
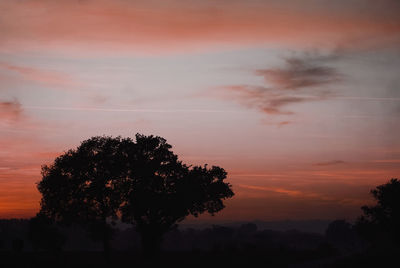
point(298, 100)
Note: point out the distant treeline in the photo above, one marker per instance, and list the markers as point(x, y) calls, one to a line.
point(339, 236)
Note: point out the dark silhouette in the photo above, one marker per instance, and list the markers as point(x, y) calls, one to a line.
point(343, 236)
point(80, 187)
point(18, 245)
point(44, 234)
point(142, 180)
point(238, 245)
point(161, 191)
point(380, 223)
point(37, 242)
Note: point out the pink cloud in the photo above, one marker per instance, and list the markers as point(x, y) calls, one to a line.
point(330, 163)
point(44, 77)
point(10, 111)
point(160, 26)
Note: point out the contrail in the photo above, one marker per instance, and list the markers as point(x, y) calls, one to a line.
point(347, 98)
point(366, 98)
point(53, 108)
point(92, 109)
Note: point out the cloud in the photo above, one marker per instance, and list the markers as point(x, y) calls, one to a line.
point(124, 109)
point(282, 123)
point(44, 77)
point(330, 163)
point(272, 189)
point(10, 111)
point(299, 194)
point(299, 73)
point(171, 25)
point(287, 86)
point(277, 123)
point(387, 161)
point(264, 99)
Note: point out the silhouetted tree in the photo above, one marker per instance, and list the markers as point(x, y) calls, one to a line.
point(141, 180)
point(80, 187)
point(380, 223)
point(161, 191)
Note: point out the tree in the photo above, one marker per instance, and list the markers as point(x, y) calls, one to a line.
point(142, 181)
point(161, 191)
point(382, 221)
point(81, 187)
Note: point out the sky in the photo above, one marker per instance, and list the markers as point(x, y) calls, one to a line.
point(299, 101)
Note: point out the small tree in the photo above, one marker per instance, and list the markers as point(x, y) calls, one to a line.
point(161, 191)
point(382, 221)
point(80, 187)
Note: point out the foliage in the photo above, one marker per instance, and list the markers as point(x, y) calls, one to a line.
point(81, 186)
point(382, 221)
point(161, 191)
point(141, 181)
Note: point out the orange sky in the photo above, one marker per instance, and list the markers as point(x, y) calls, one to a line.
point(297, 100)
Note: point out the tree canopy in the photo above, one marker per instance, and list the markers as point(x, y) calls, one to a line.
point(141, 182)
point(161, 191)
point(80, 187)
point(382, 221)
